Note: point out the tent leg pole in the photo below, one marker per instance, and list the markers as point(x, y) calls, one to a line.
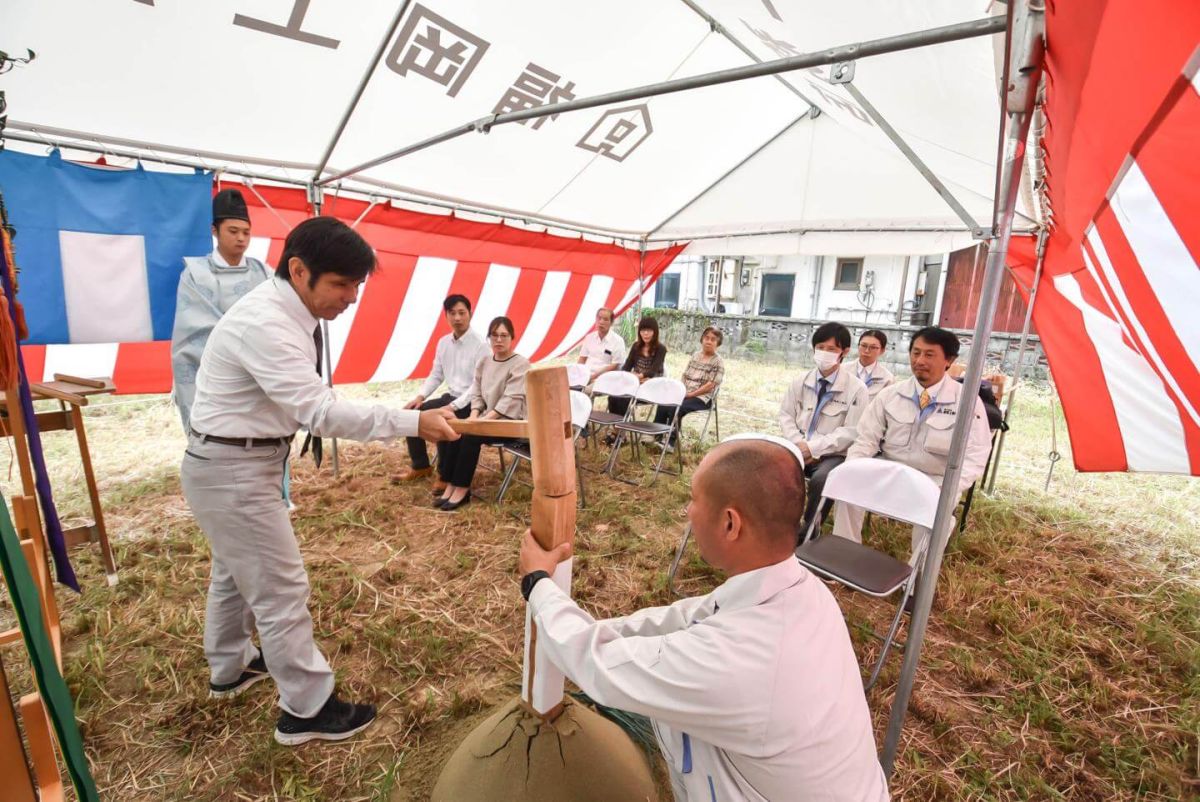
point(1017, 372)
point(1025, 72)
point(641, 277)
point(316, 196)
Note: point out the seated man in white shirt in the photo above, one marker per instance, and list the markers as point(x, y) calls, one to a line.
point(457, 355)
point(821, 409)
point(753, 690)
point(912, 422)
point(603, 349)
point(259, 382)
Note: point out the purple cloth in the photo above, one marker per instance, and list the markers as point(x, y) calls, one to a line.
point(54, 533)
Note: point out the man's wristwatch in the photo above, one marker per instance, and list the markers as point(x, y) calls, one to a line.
point(531, 579)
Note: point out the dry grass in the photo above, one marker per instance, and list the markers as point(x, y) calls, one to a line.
point(1062, 661)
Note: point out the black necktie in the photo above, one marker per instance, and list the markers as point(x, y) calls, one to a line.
point(309, 440)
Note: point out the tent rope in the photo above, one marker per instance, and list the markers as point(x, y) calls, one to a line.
point(270, 208)
point(1054, 455)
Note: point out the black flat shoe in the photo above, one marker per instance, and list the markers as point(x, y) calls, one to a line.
point(451, 506)
point(439, 502)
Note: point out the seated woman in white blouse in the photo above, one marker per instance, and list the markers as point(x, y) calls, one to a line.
point(498, 391)
point(869, 370)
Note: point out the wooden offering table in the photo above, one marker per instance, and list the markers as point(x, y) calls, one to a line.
point(72, 394)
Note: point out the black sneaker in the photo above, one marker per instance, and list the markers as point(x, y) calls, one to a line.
point(255, 672)
point(336, 721)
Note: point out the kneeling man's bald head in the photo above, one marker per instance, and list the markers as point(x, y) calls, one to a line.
point(763, 481)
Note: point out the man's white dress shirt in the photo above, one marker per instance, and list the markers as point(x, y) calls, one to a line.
point(600, 352)
point(754, 690)
point(258, 377)
point(837, 418)
point(454, 363)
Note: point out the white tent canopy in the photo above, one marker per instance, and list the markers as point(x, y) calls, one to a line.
point(262, 85)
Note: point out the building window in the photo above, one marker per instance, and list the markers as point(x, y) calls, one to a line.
point(848, 275)
point(777, 295)
point(713, 280)
point(666, 291)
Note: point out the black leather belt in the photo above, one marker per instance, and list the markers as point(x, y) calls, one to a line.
point(244, 442)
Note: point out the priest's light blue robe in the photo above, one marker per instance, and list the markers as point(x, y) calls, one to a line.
point(207, 289)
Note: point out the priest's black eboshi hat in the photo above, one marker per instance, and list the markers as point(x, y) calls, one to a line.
point(229, 204)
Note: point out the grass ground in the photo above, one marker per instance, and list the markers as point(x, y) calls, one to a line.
point(1062, 660)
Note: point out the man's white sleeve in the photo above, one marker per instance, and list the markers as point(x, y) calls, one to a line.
point(289, 378)
point(686, 678)
point(871, 428)
point(841, 438)
point(787, 415)
point(437, 372)
point(979, 446)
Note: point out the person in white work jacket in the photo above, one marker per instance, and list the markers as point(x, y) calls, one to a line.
point(457, 355)
point(868, 367)
point(208, 287)
point(913, 420)
point(753, 690)
point(259, 382)
point(820, 411)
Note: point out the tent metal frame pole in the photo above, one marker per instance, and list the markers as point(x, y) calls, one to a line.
point(97, 146)
point(316, 196)
point(641, 278)
point(1026, 53)
point(362, 87)
point(31, 128)
point(716, 26)
point(699, 237)
point(1018, 372)
point(915, 160)
point(386, 190)
point(810, 114)
point(874, 47)
point(868, 107)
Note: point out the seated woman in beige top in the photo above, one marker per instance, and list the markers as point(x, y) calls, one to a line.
point(498, 391)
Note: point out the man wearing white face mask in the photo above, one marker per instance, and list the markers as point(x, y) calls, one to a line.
point(820, 411)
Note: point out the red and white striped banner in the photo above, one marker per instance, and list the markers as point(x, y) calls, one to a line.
point(1118, 308)
point(550, 286)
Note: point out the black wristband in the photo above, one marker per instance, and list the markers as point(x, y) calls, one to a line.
point(531, 579)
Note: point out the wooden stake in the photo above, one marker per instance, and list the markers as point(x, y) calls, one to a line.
point(552, 461)
point(41, 748)
point(18, 785)
point(29, 530)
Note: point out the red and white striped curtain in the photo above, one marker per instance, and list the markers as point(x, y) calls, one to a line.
point(1118, 306)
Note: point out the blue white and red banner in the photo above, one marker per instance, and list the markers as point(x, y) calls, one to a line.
point(101, 252)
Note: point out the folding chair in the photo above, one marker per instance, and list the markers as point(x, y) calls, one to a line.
point(581, 408)
point(614, 384)
point(982, 480)
point(892, 490)
point(655, 392)
point(713, 417)
point(578, 376)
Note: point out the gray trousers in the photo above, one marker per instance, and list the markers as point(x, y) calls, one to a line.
point(258, 578)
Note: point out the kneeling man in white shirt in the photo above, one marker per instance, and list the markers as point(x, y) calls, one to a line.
point(753, 690)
